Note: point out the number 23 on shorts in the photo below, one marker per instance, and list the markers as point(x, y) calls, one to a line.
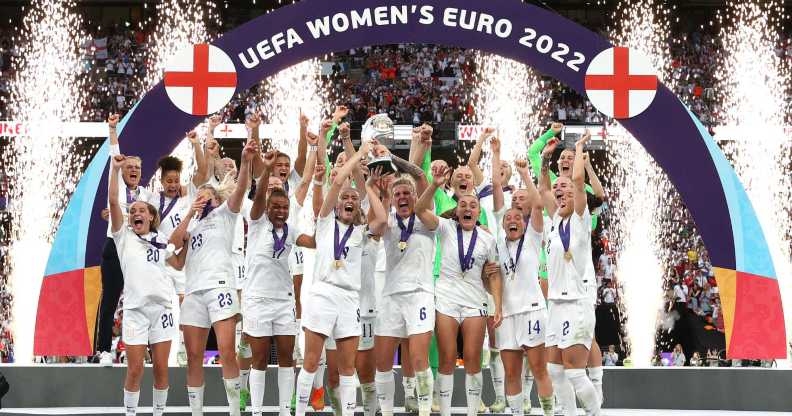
point(224, 299)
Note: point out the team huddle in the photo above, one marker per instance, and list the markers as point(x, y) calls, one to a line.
point(458, 256)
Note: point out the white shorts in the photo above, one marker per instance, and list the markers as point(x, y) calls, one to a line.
point(202, 308)
point(365, 342)
point(526, 329)
point(591, 291)
point(457, 311)
point(148, 325)
point(331, 311)
point(404, 314)
point(238, 263)
point(296, 261)
point(177, 277)
point(570, 323)
point(266, 317)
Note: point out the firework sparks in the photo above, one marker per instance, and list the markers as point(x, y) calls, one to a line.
point(752, 84)
point(295, 89)
point(44, 166)
point(642, 187)
point(509, 97)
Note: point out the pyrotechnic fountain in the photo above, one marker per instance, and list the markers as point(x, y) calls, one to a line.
point(44, 165)
point(509, 97)
point(752, 84)
point(640, 205)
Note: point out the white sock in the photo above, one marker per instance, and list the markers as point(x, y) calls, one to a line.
point(318, 381)
point(386, 389)
point(496, 374)
point(285, 389)
point(528, 380)
point(584, 390)
point(596, 374)
point(446, 391)
point(370, 404)
point(258, 380)
point(304, 383)
point(473, 388)
point(516, 404)
point(158, 400)
point(244, 376)
point(409, 387)
point(562, 388)
point(347, 395)
point(232, 388)
point(425, 384)
point(195, 395)
point(131, 399)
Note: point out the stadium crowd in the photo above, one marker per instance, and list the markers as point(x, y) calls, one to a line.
point(414, 84)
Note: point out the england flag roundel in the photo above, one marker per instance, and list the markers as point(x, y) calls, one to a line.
point(620, 82)
point(200, 80)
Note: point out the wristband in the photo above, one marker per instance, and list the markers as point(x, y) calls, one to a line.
point(313, 147)
point(318, 182)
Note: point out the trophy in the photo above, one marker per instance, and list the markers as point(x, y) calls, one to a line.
point(379, 127)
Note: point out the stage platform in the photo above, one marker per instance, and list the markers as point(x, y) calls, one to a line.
point(91, 389)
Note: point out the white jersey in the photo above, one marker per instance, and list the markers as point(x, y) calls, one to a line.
point(521, 290)
point(347, 276)
point(267, 270)
point(143, 266)
point(411, 269)
point(126, 196)
point(208, 263)
point(567, 278)
point(454, 285)
point(368, 295)
point(170, 215)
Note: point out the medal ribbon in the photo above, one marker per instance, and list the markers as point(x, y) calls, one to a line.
point(466, 259)
point(406, 232)
point(564, 234)
point(154, 242)
point(130, 196)
point(167, 210)
point(516, 258)
point(206, 210)
point(279, 243)
point(338, 247)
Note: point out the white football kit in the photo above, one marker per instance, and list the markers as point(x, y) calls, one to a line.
point(148, 318)
point(210, 293)
point(461, 294)
point(524, 312)
point(172, 212)
point(268, 301)
point(407, 306)
point(331, 306)
point(571, 313)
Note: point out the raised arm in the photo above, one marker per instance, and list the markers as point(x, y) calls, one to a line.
point(475, 156)
point(332, 195)
point(302, 146)
point(260, 199)
point(252, 124)
point(116, 215)
point(596, 186)
point(201, 164)
point(377, 217)
point(112, 125)
point(415, 143)
point(579, 175)
point(537, 222)
point(538, 145)
point(548, 200)
point(423, 152)
point(307, 173)
point(497, 181)
point(321, 152)
point(243, 182)
point(349, 149)
point(423, 208)
point(417, 174)
point(318, 187)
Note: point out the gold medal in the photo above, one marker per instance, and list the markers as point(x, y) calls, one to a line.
point(567, 256)
point(339, 264)
point(402, 245)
